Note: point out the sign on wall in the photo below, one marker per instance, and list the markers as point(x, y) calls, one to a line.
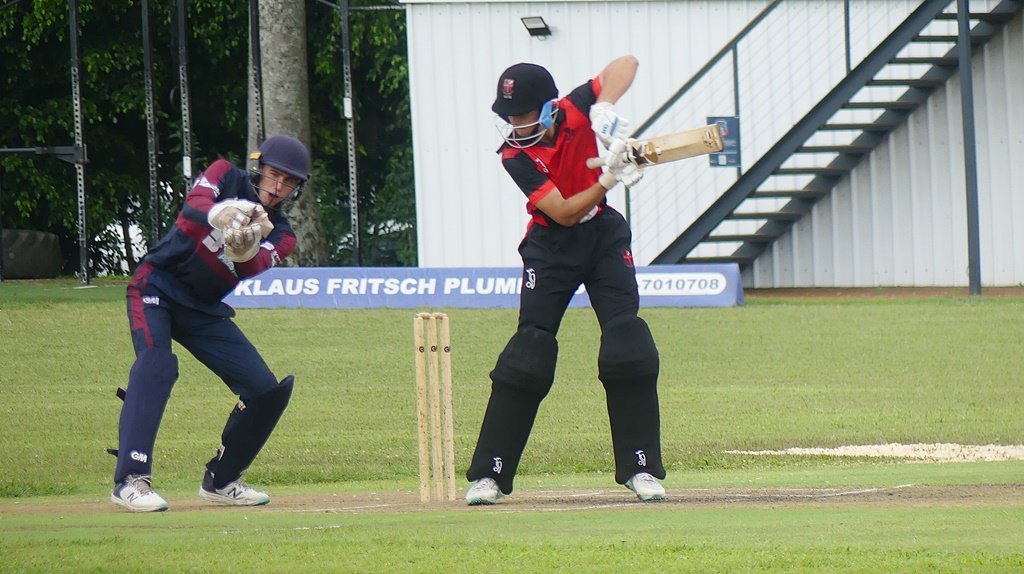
point(473, 288)
point(730, 154)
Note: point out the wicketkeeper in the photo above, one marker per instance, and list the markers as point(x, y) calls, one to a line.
point(574, 237)
point(231, 227)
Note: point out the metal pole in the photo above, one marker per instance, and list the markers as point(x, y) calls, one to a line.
point(154, 190)
point(76, 97)
point(3, 250)
point(736, 101)
point(350, 131)
point(186, 128)
point(846, 28)
point(970, 151)
point(257, 67)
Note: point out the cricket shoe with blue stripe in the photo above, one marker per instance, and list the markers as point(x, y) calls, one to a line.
point(135, 494)
point(234, 493)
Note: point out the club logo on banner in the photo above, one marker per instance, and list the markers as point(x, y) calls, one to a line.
point(469, 288)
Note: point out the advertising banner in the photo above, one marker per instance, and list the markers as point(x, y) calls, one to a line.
point(469, 288)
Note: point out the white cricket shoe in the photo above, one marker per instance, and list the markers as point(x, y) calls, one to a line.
point(234, 493)
point(646, 487)
point(485, 491)
point(135, 494)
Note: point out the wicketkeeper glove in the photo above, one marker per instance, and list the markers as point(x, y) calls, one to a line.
point(606, 123)
point(231, 213)
point(259, 215)
point(243, 243)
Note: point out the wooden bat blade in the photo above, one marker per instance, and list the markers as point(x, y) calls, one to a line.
point(680, 145)
point(672, 147)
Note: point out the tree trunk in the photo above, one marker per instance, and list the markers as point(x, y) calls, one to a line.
point(286, 111)
point(126, 236)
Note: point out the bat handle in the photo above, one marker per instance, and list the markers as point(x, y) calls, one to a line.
point(595, 162)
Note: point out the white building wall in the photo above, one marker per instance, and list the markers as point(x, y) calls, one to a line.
point(901, 219)
point(469, 213)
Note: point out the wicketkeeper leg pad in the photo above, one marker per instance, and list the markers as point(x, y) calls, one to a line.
point(149, 388)
point(628, 367)
point(247, 430)
point(521, 379)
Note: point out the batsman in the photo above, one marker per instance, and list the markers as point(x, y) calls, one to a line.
point(231, 227)
point(573, 237)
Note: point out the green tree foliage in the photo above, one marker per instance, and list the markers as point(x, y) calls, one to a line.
point(39, 191)
point(380, 89)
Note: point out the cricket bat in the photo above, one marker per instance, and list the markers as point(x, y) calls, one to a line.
point(672, 147)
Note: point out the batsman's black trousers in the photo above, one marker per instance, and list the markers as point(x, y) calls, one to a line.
point(556, 261)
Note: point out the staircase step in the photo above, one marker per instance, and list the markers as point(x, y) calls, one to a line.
point(930, 60)
point(818, 171)
point(977, 39)
point(908, 82)
point(875, 127)
point(839, 148)
point(790, 193)
point(722, 259)
point(945, 38)
point(979, 16)
point(743, 238)
point(768, 215)
point(907, 105)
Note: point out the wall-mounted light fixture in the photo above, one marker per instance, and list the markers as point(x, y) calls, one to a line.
point(536, 26)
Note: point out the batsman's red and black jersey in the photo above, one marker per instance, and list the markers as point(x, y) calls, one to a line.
point(541, 168)
point(189, 264)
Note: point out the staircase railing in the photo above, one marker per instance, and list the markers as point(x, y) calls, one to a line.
point(824, 42)
point(799, 133)
point(728, 49)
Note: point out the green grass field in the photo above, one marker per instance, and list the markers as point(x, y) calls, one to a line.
point(772, 374)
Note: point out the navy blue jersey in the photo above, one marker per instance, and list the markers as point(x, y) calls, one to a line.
point(189, 264)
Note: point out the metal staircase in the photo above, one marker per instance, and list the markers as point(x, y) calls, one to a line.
point(887, 69)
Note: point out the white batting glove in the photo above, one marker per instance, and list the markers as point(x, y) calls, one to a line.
point(620, 153)
point(230, 214)
point(607, 124)
point(618, 166)
point(628, 174)
point(243, 243)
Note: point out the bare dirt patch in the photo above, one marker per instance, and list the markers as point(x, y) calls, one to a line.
point(561, 500)
point(566, 500)
point(934, 452)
